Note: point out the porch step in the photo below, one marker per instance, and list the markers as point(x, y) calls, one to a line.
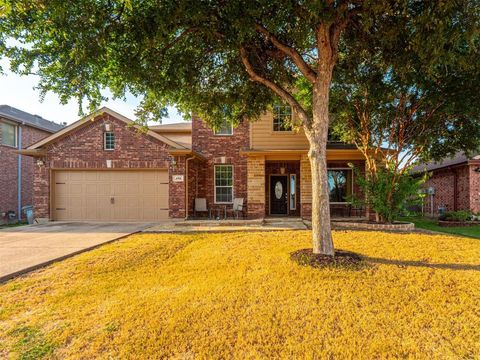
point(213, 223)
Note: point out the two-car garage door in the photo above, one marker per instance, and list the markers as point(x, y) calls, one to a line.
point(110, 195)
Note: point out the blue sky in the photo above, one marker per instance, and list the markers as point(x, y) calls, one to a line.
point(18, 91)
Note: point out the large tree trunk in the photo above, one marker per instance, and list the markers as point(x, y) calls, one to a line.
point(317, 136)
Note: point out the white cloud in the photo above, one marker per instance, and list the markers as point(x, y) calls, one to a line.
point(18, 91)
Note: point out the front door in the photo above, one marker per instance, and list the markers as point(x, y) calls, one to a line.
point(278, 195)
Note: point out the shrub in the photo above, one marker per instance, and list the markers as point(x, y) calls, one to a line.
point(461, 215)
point(388, 192)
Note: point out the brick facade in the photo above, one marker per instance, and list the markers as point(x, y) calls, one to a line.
point(219, 150)
point(256, 186)
point(9, 173)
point(456, 188)
point(84, 149)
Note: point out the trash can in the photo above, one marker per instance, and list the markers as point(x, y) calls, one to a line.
point(442, 210)
point(28, 211)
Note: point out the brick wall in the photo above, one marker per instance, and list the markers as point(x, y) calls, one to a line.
point(473, 187)
point(83, 149)
point(9, 175)
point(221, 150)
point(444, 182)
point(256, 186)
point(197, 171)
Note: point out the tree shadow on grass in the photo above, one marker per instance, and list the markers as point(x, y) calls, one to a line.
point(408, 263)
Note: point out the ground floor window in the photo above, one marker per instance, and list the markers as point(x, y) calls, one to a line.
point(340, 185)
point(223, 184)
point(293, 193)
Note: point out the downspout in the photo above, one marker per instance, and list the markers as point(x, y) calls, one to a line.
point(455, 190)
point(186, 185)
point(19, 174)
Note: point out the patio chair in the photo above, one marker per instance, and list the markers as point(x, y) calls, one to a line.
point(201, 206)
point(238, 207)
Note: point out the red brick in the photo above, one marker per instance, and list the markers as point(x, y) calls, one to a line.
point(9, 175)
point(215, 149)
point(83, 149)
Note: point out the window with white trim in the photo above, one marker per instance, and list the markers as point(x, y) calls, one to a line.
point(108, 140)
point(282, 118)
point(225, 129)
point(9, 134)
point(223, 184)
point(340, 185)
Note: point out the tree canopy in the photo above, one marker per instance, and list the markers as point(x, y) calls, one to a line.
point(186, 53)
point(230, 59)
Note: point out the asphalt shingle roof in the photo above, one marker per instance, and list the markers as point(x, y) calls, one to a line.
point(458, 158)
point(19, 116)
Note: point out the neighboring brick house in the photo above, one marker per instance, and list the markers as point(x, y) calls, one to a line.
point(455, 183)
point(103, 167)
point(18, 129)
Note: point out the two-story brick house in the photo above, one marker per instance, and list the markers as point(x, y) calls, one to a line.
point(18, 129)
point(103, 168)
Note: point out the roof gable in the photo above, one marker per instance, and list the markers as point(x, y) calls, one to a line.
point(92, 117)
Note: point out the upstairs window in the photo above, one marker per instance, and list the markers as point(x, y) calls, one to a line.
point(109, 141)
point(223, 184)
point(225, 129)
point(282, 118)
point(9, 134)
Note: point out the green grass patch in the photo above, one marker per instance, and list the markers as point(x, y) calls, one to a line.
point(2, 226)
point(432, 224)
point(31, 344)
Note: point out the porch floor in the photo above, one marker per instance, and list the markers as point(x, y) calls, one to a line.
point(268, 224)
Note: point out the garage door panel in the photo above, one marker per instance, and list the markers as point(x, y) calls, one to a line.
point(87, 195)
point(61, 189)
point(119, 188)
point(104, 189)
point(76, 189)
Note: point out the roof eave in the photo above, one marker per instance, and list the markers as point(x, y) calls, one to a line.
point(21, 122)
point(32, 152)
point(92, 117)
point(186, 152)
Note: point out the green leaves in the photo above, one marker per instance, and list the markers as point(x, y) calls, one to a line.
point(187, 53)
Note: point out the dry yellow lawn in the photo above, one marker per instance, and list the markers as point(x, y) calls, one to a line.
point(240, 296)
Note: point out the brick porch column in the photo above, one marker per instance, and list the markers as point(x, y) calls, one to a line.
point(305, 187)
point(256, 187)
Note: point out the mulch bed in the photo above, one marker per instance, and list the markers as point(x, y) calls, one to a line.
point(343, 259)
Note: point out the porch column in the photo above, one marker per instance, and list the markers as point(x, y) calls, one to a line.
point(305, 187)
point(256, 187)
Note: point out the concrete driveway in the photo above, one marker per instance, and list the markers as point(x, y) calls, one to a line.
point(26, 248)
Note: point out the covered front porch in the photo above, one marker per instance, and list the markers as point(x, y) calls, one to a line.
point(279, 184)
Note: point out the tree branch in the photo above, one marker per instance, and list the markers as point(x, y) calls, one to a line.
point(302, 65)
point(277, 89)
